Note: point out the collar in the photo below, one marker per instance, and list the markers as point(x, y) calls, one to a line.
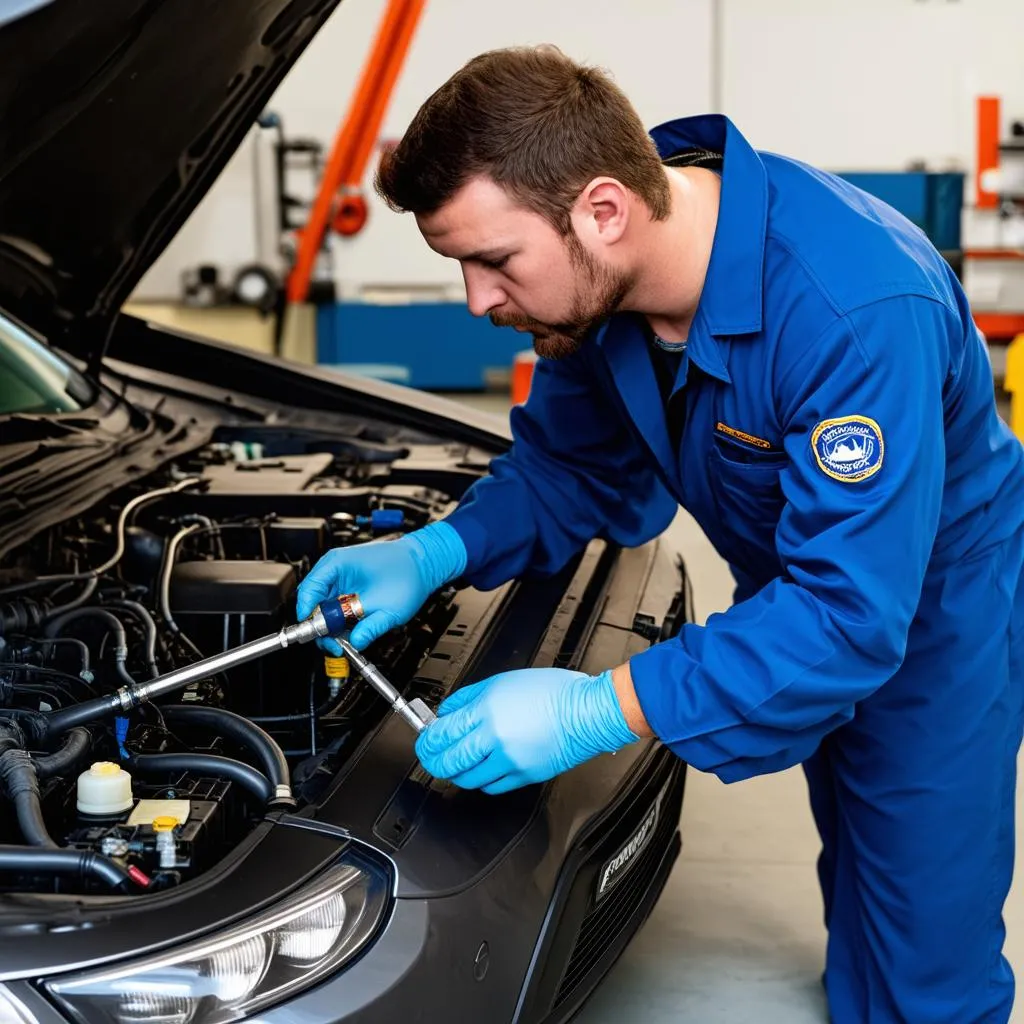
point(731, 300)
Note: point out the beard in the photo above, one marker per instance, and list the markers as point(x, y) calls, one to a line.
point(599, 293)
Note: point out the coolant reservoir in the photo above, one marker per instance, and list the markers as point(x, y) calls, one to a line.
point(105, 789)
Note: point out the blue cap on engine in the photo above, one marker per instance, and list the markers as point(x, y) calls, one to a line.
point(386, 518)
point(121, 734)
point(383, 519)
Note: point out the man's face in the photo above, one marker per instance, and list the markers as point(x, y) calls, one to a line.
point(520, 271)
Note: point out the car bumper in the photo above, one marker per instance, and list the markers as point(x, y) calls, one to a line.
point(468, 953)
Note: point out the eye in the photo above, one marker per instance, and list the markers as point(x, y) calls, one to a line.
point(497, 264)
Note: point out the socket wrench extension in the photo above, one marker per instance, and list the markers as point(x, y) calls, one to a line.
point(415, 712)
point(326, 620)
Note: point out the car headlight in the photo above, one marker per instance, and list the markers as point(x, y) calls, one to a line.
point(241, 971)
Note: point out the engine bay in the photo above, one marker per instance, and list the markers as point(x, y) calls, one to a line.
point(200, 557)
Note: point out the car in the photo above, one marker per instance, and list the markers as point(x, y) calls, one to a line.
point(257, 841)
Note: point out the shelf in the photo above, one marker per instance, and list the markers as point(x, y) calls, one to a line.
point(994, 254)
point(999, 327)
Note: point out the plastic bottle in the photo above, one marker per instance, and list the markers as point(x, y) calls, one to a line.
point(105, 789)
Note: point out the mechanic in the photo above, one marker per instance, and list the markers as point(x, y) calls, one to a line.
point(790, 360)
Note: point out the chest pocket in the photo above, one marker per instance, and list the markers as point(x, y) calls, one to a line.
point(747, 491)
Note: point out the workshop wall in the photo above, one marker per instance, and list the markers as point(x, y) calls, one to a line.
point(659, 51)
point(871, 85)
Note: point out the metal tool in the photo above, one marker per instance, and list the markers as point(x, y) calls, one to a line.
point(415, 712)
point(328, 619)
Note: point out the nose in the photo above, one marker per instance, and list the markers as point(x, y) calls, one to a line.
point(483, 293)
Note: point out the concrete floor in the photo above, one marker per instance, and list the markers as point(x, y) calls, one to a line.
point(737, 935)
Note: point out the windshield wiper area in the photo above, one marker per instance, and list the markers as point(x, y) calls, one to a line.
point(23, 429)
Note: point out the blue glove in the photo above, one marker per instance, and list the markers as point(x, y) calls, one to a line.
point(391, 578)
point(521, 727)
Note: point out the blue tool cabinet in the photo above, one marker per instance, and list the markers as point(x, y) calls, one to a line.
point(438, 346)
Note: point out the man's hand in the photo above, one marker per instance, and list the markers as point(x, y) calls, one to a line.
point(391, 578)
point(521, 727)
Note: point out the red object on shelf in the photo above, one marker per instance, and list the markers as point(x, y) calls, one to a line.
point(522, 375)
point(988, 148)
point(994, 254)
point(1000, 326)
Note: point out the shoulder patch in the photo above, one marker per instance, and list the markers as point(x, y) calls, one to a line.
point(849, 448)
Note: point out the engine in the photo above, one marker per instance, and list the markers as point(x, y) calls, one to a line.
point(201, 558)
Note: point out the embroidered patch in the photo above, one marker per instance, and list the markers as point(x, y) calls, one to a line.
point(742, 435)
point(849, 448)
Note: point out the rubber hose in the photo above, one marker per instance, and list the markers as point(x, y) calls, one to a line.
point(142, 613)
point(245, 775)
point(243, 731)
point(56, 624)
point(77, 602)
point(39, 860)
point(80, 645)
point(123, 673)
point(56, 723)
point(21, 785)
point(30, 820)
point(77, 743)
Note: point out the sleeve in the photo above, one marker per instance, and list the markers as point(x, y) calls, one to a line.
point(574, 472)
point(756, 688)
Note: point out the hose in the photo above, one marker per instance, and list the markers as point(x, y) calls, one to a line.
point(48, 673)
point(238, 771)
point(165, 575)
point(93, 574)
point(244, 732)
point(209, 527)
point(83, 651)
point(87, 591)
point(141, 612)
point(55, 625)
point(21, 785)
point(20, 616)
point(77, 743)
point(40, 860)
point(30, 820)
point(56, 723)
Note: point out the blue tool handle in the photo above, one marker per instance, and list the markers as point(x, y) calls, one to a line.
point(334, 617)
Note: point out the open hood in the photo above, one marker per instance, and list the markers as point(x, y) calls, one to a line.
point(117, 117)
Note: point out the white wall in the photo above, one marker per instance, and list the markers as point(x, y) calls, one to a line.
point(845, 84)
point(658, 50)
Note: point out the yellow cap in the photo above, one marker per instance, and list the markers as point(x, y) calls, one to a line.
point(336, 668)
point(165, 823)
point(104, 768)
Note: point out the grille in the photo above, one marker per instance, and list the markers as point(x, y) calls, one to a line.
point(606, 922)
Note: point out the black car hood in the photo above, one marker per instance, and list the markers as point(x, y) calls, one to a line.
point(117, 118)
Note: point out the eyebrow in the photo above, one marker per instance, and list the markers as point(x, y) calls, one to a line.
point(483, 255)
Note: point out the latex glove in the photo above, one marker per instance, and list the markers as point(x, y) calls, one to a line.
point(392, 579)
point(522, 727)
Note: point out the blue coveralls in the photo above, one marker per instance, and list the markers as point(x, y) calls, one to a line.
point(838, 442)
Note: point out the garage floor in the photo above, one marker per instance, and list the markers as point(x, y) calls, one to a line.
point(737, 935)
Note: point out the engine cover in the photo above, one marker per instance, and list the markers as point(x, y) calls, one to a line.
point(226, 587)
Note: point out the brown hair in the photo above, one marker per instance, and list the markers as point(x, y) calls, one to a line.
point(535, 122)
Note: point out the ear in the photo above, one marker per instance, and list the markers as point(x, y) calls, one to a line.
point(601, 214)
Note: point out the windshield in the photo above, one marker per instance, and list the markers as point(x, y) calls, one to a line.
point(32, 378)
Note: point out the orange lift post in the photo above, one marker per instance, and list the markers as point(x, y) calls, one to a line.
point(339, 203)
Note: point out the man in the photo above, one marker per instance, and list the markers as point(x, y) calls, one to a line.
point(791, 361)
